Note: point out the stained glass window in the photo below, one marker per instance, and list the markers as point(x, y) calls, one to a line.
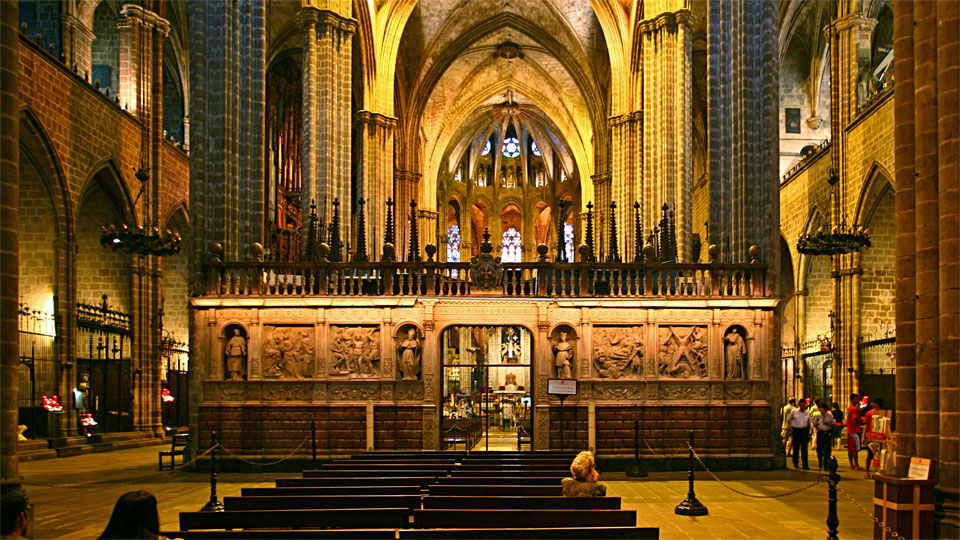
point(510, 250)
point(534, 148)
point(486, 148)
point(511, 147)
point(457, 177)
point(453, 243)
point(568, 241)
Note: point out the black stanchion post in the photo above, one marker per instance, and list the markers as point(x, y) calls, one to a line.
point(213, 505)
point(636, 469)
point(691, 506)
point(313, 440)
point(833, 521)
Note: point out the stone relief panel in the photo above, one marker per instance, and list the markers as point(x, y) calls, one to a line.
point(735, 361)
point(687, 391)
point(409, 392)
point(683, 352)
point(618, 352)
point(289, 352)
point(355, 351)
point(231, 391)
point(287, 392)
point(430, 438)
point(738, 392)
point(541, 434)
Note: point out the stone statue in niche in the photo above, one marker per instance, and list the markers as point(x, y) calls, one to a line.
point(288, 353)
point(734, 353)
point(618, 352)
point(235, 352)
point(409, 354)
point(563, 357)
point(355, 351)
point(682, 354)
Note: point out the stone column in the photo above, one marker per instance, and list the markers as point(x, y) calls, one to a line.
point(9, 241)
point(626, 132)
point(667, 134)
point(328, 45)
point(77, 43)
point(742, 103)
point(227, 153)
point(375, 133)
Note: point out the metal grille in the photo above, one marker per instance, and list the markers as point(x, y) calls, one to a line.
point(104, 342)
point(175, 382)
point(39, 369)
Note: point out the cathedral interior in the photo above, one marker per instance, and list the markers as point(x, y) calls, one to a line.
point(396, 222)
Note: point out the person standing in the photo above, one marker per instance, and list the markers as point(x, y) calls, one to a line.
point(853, 433)
point(838, 417)
point(799, 422)
point(784, 415)
point(870, 437)
point(824, 424)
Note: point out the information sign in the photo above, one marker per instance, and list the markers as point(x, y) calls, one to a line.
point(562, 387)
point(919, 469)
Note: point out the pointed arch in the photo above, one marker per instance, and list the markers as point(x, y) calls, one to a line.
point(814, 218)
point(36, 146)
point(107, 176)
point(878, 182)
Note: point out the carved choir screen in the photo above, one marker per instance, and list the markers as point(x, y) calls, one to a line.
point(487, 383)
point(284, 110)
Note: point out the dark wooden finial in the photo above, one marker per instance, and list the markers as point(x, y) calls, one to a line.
point(589, 232)
point(361, 253)
point(391, 235)
point(336, 244)
point(414, 253)
point(614, 255)
point(637, 234)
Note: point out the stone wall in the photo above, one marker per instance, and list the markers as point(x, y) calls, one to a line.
point(338, 357)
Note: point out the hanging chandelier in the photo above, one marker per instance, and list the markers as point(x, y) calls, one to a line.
point(837, 241)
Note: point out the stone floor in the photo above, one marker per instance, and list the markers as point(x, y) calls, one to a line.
point(63, 510)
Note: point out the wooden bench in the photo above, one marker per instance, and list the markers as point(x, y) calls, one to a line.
point(510, 472)
point(364, 466)
point(513, 467)
point(424, 464)
point(334, 473)
point(449, 519)
point(495, 490)
point(515, 461)
point(313, 502)
point(339, 518)
point(400, 454)
point(552, 533)
point(511, 502)
point(500, 480)
point(357, 481)
point(178, 441)
point(284, 534)
point(329, 490)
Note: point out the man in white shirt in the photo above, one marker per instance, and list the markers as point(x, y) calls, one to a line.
point(824, 423)
point(784, 415)
point(799, 421)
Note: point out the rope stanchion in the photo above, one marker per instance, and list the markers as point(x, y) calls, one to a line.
point(269, 463)
point(753, 495)
point(636, 469)
point(213, 505)
point(875, 519)
point(690, 506)
point(833, 520)
point(679, 449)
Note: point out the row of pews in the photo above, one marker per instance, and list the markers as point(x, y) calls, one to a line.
point(420, 495)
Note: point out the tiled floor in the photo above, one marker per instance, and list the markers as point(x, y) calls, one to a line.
point(62, 511)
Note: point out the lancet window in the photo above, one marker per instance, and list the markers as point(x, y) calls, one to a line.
point(510, 250)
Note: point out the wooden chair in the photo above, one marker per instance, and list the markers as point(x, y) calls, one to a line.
point(178, 441)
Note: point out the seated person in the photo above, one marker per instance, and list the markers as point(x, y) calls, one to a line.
point(134, 516)
point(17, 514)
point(584, 482)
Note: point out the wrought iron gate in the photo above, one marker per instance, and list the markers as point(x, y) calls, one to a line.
point(174, 386)
point(39, 370)
point(104, 344)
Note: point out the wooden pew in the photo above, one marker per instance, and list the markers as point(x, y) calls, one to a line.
point(494, 491)
point(500, 480)
point(552, 533)
point(516, 461)
point(357, 481)
point(510, 472)
point(427, 464)
point(448, 519)
point(340, 518)
point(418, 455)
point(510, 502)
point(334, 473)
point(313, 502)
point(328, 490)
point(364, 466)
point(284, 534)
point(529, 465)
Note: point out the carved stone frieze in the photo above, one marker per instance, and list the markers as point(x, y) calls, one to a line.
point(717, 391)
point(274, 315)
point(653, 393)
point(235, 314)
point(683, 352)
point(409, 392)
point(685, 391)
point(320, 392)
point(232, 392)
point(541, 433)
point(738, 391)
point(353, 392)
point(386, 392)
point(428, 392)
point(430, 438)
point(289, 352)
point(618, 392)
point(287, 392)
point(618, 352)
point(542, 387)
point(355, 351)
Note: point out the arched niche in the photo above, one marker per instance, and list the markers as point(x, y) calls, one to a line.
point(408, 343)
point(564, 351)
point(234, 351)
point(736, 353)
